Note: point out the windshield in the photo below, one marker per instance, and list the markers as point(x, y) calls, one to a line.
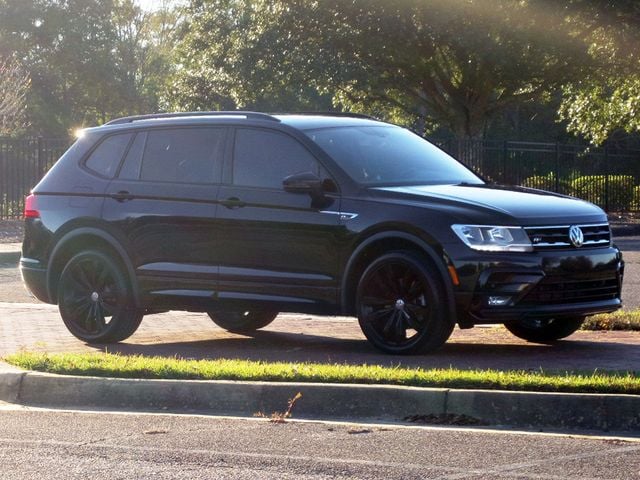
point(389, 155)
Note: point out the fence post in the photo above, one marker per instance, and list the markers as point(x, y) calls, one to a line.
point(505, 156)
point(557, 168)
point(606, 178)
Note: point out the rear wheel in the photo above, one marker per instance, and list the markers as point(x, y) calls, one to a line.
point(544, 330)
point(242, 321)
point(95, 299)
point(400, 305)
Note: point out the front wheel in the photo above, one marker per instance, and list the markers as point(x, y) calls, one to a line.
point(95, 299)
point(242, 321)
point(400, 304)
point(544, 330)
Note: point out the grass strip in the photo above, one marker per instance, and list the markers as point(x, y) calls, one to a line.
point(123, 366)
point(618, 320)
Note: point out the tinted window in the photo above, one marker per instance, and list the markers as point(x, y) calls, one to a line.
point(390, 155)
point(264, 159)
point(188, 155)
point(106, 157)
point(133, 161)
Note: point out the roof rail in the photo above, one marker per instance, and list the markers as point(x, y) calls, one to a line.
point(238, 113)
point(333, 114)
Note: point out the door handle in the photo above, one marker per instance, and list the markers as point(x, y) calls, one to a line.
point(122, 196)
point(233, 202)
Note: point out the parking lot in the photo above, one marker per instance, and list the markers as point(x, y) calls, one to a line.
point(28, 324)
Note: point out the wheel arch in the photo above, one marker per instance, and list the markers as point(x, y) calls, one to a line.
point(384, 242)
point(86, 238)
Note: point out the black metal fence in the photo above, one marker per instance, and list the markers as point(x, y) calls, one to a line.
point(606, 176)
point(23, 162)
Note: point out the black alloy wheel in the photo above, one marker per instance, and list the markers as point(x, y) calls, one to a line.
point(242, 321)
point(400, 305)
point(544, 330)
point(95, 300)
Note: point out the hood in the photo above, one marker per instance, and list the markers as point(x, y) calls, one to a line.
point(519, 205)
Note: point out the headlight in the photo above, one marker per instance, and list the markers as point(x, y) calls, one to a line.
point(494, 239)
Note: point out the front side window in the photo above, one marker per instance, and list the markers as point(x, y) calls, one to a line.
point(104, 160)
point(263, 159)
point(184, 155)
point(389, 155)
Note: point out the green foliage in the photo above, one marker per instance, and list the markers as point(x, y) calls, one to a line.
point(593, 189)
point(89, 60)
point(597, 108)
point(110, 365)
point(452, 66)
point(635, 202)
point(548, 183)
point(421, 63)
point(619, 320)
point(238, 54)
point(608, 97)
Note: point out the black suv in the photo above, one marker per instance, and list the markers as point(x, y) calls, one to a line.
point(243, 215)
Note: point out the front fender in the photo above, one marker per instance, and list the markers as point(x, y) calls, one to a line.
point(437, 259)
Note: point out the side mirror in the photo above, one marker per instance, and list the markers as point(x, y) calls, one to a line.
point(306, 182)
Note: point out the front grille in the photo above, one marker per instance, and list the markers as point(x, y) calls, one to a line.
point(557, 290)
point(544, 238)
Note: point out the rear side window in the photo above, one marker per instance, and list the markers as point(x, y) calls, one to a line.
point(133, 161)
point(263, 159)
point(187, 155)
point(104, 160)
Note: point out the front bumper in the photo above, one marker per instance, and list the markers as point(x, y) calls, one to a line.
point(494, 288)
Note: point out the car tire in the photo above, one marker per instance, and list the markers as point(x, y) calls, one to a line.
point(242, 321)
point(400, 307)
point(95, 299)
point(547, 330)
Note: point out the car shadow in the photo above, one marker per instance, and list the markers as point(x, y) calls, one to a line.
point(566, 355)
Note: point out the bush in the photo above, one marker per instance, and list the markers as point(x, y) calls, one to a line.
point(620, 320)
point(593, 189)
point(635, 203)
point(548, 183)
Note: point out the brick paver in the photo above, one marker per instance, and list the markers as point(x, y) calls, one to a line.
point(307, 338)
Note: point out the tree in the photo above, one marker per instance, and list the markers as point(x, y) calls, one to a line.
point(143, 51)
point(597, 107)
point(607, 99)
point(456, 63)
point(88, 60)
point(67, 48)
point(231, 54)
point(14, 85)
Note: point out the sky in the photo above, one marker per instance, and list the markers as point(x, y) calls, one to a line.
point(152, 4)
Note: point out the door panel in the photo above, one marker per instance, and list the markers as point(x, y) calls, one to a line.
point(275, 245)
point(166, 211)
point(278, 244)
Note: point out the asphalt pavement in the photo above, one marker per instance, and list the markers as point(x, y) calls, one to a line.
point(630, 247)
point(78, 445)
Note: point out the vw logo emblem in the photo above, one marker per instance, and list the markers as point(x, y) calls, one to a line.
point(576, 236)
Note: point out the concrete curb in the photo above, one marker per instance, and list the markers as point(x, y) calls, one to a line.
point(10, 257)
point(324, 401)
